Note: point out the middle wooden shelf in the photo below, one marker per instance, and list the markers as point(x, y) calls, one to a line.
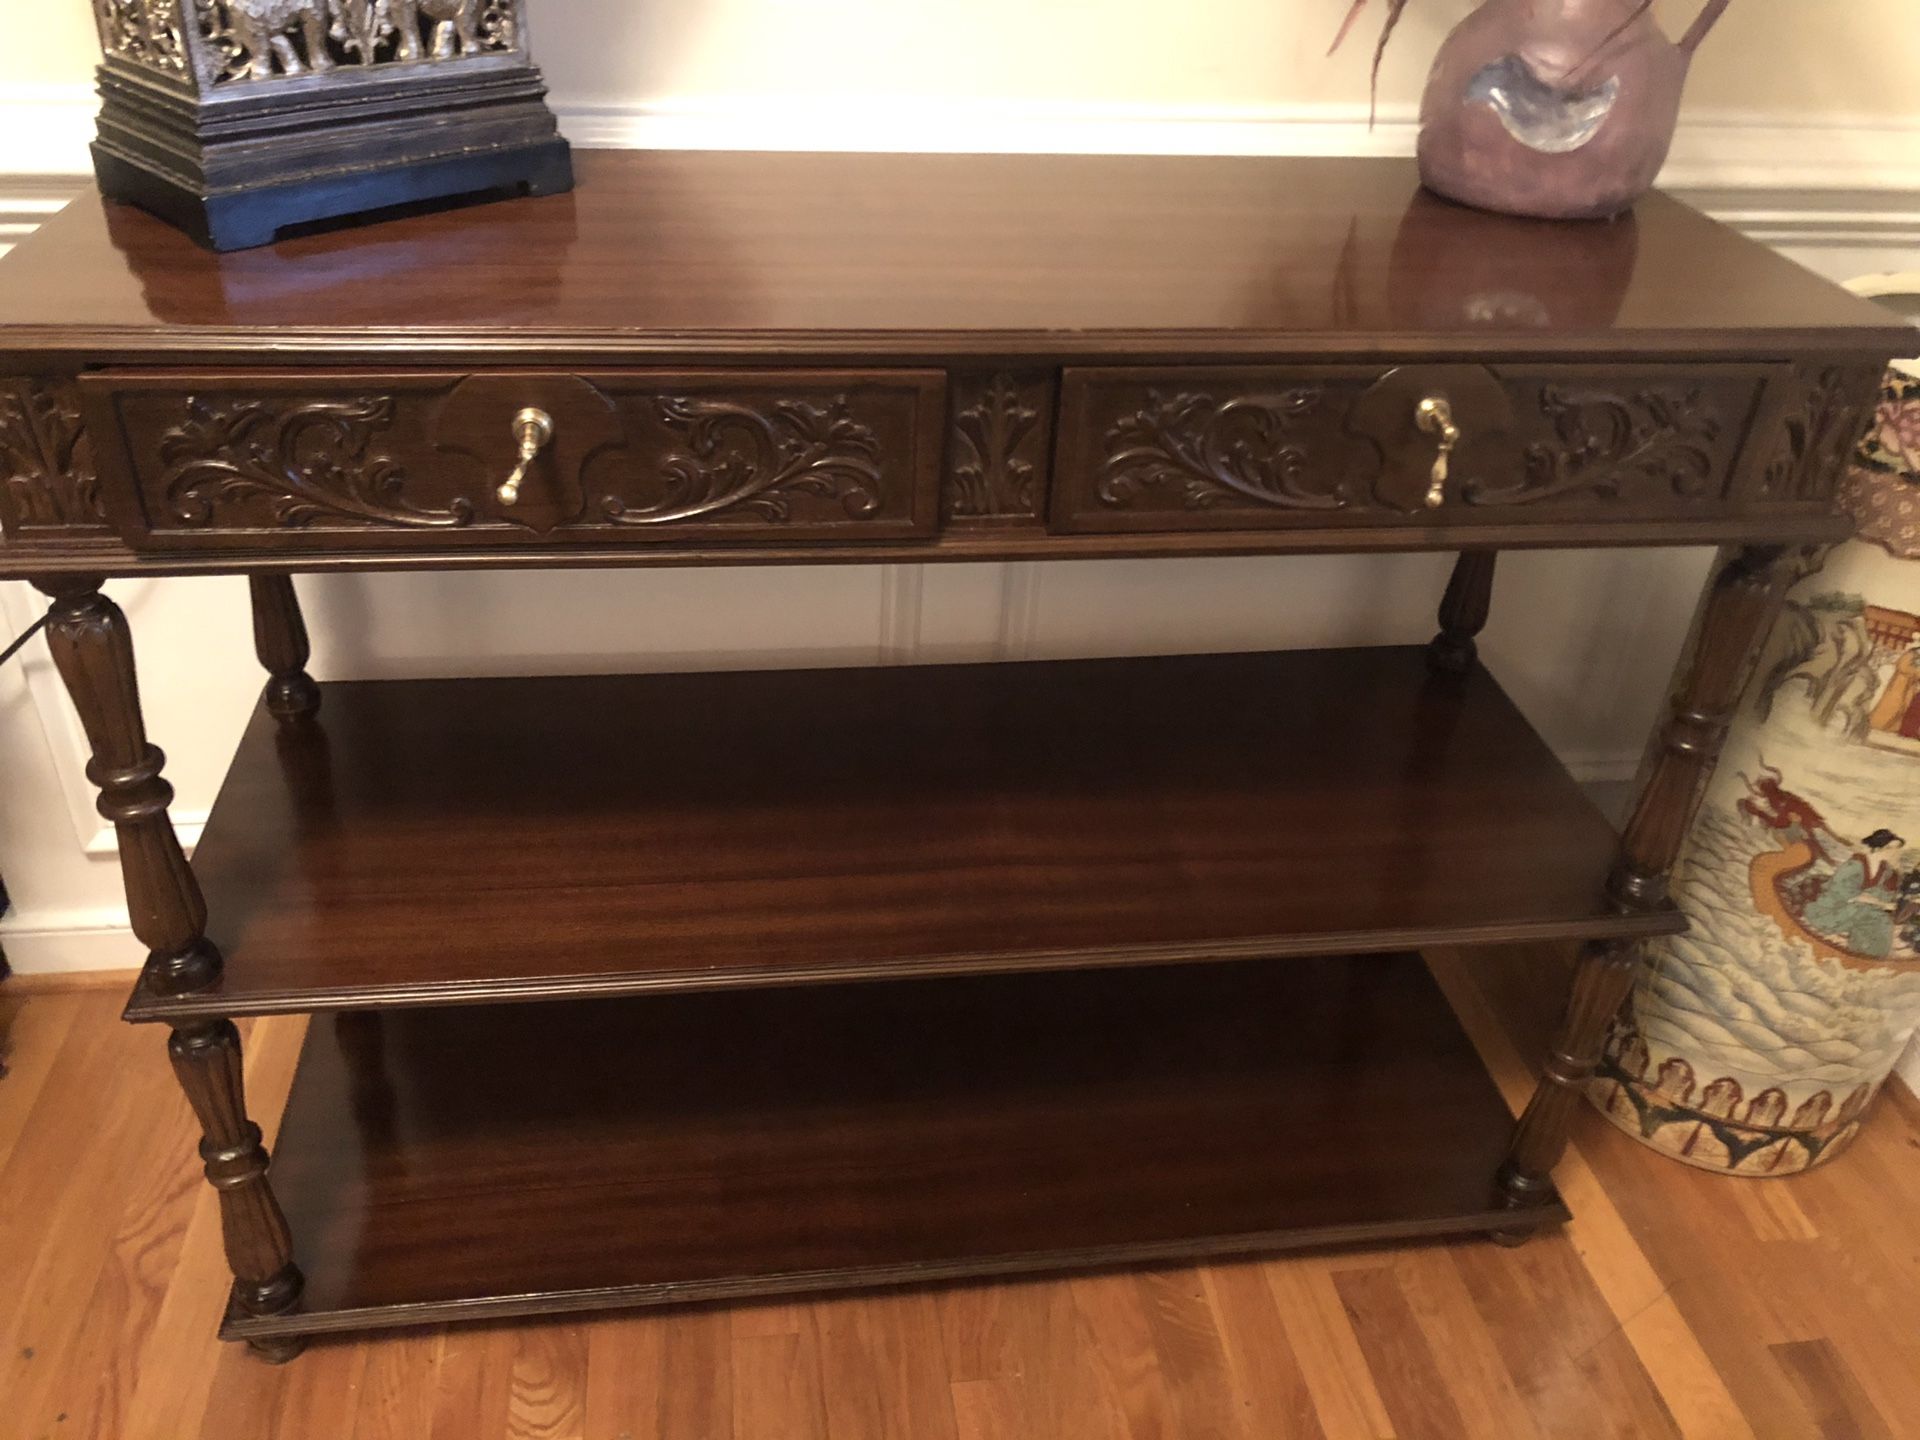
point(448, 841)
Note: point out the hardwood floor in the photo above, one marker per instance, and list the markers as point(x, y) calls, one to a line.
point(1677, 1303)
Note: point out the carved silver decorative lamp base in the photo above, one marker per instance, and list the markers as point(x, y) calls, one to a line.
point(235, 119)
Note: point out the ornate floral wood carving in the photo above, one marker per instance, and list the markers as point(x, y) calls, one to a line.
point(1661, 438)
point(293, 463)
point(758, 459)
point(999, 446)
point(47, 459)
point(1832, 411)
point(1213, 452)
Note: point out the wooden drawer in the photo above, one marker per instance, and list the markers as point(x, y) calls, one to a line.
point(1221, 448)
point(334, 460)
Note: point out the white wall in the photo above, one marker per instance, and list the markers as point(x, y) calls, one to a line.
point(1803, 124)
point(1801, 92)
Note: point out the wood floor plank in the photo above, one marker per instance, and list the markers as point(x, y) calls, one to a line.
point(1025, 1357)
point(778, 1389)
point(1399, 1357)
point(399, 1386)
point(991, 1331)
point(1626, 1403)
point(244, 1397)
point(34, 1036)
point(660, 1375)
point(71, 1165)
point(473, 1384)
point(1636, 1291)
point(176, 1372)
point(100, 1358)
point(986, 1410)
point(761, 1318)
point(1855, 1285)
point(1263, 1374)
point(548, 1394)
point(694, 1394)
point(625, 1354)
point(117, 983)
point(1188, 1356)
point(1118, 1334)
point(1477, 1380)
point(1319, 1332)
point(322, 1394)
point(883, 1371)
point(1569, 1361)
point(1833, 1393)
point(1714, 1302)
point(1774, 1212)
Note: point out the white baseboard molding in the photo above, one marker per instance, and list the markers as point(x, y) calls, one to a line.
point(1602, 768)
point(69, 942)
point(1727, 149)
point(104, 843)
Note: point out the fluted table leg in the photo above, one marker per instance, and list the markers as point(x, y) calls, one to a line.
point(1741, 604)
point(206, 1061)
point(1600, 985)
point(94, 653)
point(280, 640)
point(1463, 613)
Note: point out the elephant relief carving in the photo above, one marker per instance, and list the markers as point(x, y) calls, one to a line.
point(453, 20)
point(264, 30)
point(262, 33)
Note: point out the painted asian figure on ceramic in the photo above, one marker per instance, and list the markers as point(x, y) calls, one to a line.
point(1755, 1043)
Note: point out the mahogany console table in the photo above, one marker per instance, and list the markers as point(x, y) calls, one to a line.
point(580, 948)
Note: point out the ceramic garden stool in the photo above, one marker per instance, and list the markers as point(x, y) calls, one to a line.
point(1755, 1043)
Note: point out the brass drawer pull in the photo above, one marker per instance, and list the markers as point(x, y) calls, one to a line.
point(532, 429)
point(1435, 417)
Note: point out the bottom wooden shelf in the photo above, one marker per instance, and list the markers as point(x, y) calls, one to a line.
point(512, 1160)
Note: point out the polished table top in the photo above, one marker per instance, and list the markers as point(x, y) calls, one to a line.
point(680, 254)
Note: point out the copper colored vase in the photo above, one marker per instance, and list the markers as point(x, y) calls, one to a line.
point(1563, 109)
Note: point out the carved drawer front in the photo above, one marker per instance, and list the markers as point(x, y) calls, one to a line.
point(371, 461)
point(1222, 448)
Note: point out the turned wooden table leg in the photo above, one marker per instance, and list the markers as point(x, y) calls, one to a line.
point(1463, 613)
point(280, 640)
point(206, 1060)
point(1600, 985)
point(1744, 597)
point(1741, 606)
point(94, 653)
